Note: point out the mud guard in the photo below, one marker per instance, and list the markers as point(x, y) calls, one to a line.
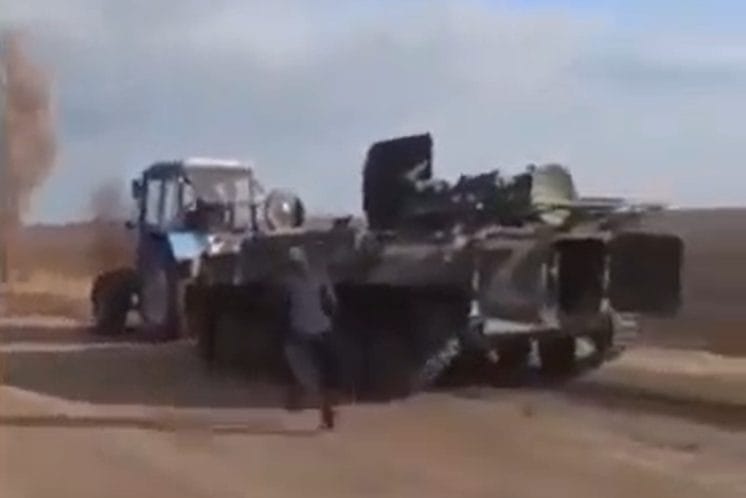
point(645, 273)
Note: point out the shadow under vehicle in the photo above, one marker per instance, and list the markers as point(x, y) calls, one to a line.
point(484, 273)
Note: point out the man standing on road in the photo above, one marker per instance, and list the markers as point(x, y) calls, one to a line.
point(311, 303)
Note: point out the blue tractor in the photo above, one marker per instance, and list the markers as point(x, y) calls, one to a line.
point(184, 208)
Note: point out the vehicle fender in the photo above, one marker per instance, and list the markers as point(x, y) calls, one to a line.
point(186, 246)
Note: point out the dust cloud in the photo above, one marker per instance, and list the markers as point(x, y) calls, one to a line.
point(29, 142)
point(29, 124)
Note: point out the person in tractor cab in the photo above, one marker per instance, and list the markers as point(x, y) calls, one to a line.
point(310, 303)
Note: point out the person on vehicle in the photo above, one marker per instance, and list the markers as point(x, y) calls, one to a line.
point(310, 305)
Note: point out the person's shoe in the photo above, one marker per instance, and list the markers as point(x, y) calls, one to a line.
point(327, 418)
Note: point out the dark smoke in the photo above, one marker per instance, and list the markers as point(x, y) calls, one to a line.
point(107, 202)
point(109, 247)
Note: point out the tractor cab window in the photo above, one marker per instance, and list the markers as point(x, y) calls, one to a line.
point(171, 216)
point(153, 202)
point(242, 203)
point(188, 197)
point(223, 198)
point(163, 209)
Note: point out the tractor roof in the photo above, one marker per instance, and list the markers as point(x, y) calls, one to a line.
point(184, 166)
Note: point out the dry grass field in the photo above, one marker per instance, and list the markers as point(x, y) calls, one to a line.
point(714, 315)
point(52, 266)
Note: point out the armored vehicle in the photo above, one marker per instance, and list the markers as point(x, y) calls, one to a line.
point(489, 270)
point(183, 207)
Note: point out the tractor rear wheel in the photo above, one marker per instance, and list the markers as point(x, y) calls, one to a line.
point(111, 300)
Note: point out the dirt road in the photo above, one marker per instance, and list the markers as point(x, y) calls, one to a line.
point(87, 419)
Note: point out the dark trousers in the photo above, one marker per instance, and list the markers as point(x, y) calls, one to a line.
point(312, 362)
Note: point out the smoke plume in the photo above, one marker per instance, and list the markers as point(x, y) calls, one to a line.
point(29, 127)
point(110, 245)
point(27, 142)
point(107, 203)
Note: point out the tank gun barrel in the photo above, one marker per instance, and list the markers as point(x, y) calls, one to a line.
point(602, 205)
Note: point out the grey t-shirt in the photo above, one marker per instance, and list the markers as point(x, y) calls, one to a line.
point(305, 295)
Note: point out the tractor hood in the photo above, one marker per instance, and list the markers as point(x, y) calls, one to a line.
point(188, 246)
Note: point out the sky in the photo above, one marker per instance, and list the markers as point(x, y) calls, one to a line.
point(638, 98)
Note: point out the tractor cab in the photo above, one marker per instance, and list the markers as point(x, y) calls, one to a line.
point(187, 210)
point(184, 208)
point(196, 195)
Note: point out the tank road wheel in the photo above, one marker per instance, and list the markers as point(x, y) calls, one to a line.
point(373, 353)
point(557, 356)
point(433, 368)
point(237, 329)
point(206, 342)
point(111, 300)
point(602, 341)
point(512, 357)
point(394, 342)
point(212, 344)
point(160, 299)
point(386, 362)
point(437, 328)
point(200, 322)
point(610, 339)
point(206, 321)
